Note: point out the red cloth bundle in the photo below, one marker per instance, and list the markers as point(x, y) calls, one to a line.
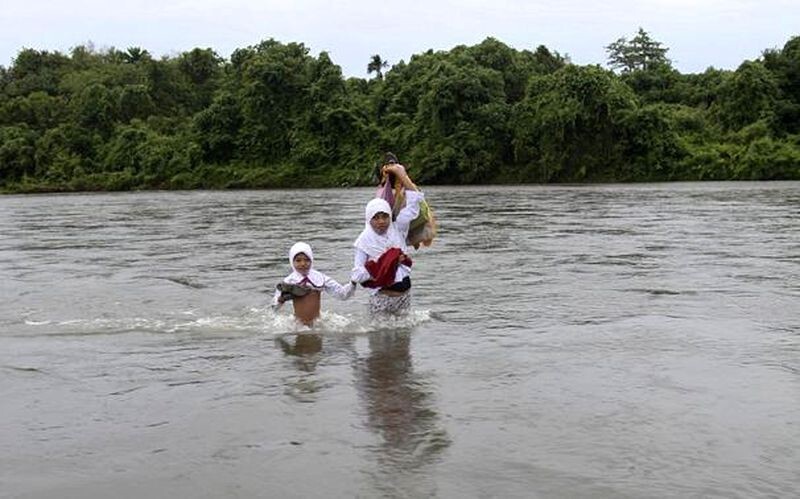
point(384, 268)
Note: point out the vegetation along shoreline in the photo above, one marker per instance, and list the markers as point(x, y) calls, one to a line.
point(274, 116)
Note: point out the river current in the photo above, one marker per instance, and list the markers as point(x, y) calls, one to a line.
point(565, 341)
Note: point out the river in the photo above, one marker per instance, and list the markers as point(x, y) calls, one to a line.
point(566, 341)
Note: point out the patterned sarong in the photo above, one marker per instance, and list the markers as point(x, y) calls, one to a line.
point(380, 304)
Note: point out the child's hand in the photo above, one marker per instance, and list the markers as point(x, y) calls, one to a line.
point(396, 169)
point(403, 259)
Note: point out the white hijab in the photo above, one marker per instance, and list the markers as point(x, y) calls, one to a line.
point(372, 243)
point(316, 279)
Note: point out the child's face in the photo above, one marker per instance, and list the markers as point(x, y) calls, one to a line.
point(302, 263)
point(379, 222)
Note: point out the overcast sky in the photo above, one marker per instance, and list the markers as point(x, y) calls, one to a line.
point(699, 34)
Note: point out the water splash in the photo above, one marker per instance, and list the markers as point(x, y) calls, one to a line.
point(253, 321)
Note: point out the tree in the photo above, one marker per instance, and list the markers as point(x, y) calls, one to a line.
point(199, 65)
point(33, 71)
point(134, 102)
point(165, 86)
point(749, 94)
point(17, 152)
point(785, 66)
point(460, 123)
point(640, 53)
point(377, 65)
point(94, 108)
point(569, 126)
point(135, 55)
point(548, 61)
point(4, 78)
point(201, 68)
point(274, 95)
point(38, 110)
point(218, 128)
point(501, 58)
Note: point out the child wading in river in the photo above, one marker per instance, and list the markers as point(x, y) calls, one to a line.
point(304, 286)
point(381, 260)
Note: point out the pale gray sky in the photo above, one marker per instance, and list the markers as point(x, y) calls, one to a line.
point(701, 33)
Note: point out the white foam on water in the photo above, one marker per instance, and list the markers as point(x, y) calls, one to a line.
point(37, 323)
point(254, 320)
point(331, 322)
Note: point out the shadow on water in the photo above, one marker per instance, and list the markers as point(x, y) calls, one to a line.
point(304, 348)
point(398, 404)
point(400, 410)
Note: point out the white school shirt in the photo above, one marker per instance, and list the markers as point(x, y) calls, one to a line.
point(317, 281)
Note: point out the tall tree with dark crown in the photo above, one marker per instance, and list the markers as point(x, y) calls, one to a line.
point(377, 65)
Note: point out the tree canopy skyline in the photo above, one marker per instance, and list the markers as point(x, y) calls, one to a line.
point(273, 115)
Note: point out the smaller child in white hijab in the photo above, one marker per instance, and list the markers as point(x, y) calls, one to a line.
point(305, 284)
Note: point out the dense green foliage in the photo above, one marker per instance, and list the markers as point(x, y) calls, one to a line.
point(273, 115)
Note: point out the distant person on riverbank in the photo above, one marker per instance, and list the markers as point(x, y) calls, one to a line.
point(304, 286)
point(381, 260)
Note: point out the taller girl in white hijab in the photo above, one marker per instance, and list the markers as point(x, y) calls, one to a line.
point(381, 234)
